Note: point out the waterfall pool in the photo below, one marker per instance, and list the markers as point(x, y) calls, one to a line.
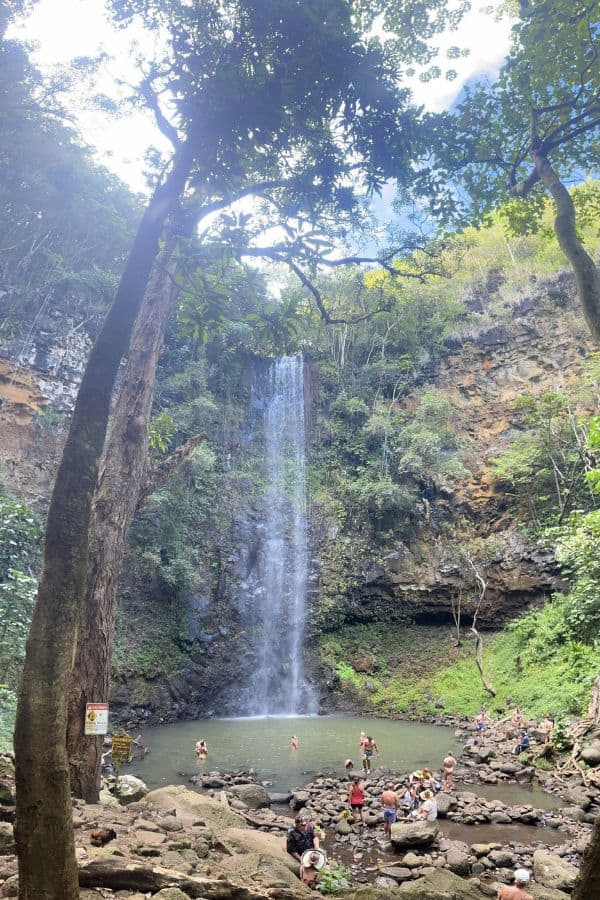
point(264, 745)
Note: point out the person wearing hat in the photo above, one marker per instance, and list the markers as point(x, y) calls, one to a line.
point(311, 863)
point(301, 837)
point(428, 809)
point(517, 890)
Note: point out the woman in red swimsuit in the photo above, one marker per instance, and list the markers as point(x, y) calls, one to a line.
point(356, 799)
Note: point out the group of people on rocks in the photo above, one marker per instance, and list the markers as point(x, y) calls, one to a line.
point(518, 723)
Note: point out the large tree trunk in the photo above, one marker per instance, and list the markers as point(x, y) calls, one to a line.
point(587, 276)
point(588, 883)
point(44, 831)
point(122, 473)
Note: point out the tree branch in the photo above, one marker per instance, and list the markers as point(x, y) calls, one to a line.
point(157, 475)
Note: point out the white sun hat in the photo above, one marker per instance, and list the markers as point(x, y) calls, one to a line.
point(313, 859)
point(522, 875)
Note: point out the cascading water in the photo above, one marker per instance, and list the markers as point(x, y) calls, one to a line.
point(280, 575)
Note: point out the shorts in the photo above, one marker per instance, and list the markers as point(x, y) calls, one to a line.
point(367, 754)
point(356, 805)
point(389, 814)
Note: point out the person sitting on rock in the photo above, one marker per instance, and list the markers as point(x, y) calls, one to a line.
point(428, 809)
point(523, 744)
point(517, 890)
point(390, 802)
point(301, 837)
point(481, 720)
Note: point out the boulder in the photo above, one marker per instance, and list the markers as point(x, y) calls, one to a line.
point(399, 873)
point(383, 881)
point(255, 796)
point(591, 756)
point(413, 834)
point(130, 789)
point(573, 812)
point(283, 798)
point(458, 861)
point(445, 802)
point(343, 827)
point(191, 807)
point(441, 885)
point(299, 799)
point(247, 840)
point(552, 871)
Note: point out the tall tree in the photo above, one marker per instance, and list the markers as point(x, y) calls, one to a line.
point(297, 102)
point(529, 132)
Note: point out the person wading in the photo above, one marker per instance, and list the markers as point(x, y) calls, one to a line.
point(369, 748)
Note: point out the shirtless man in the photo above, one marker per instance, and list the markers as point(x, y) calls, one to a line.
point(517, 890)
point(447, 771)
point(389, 801)
point(368, 749)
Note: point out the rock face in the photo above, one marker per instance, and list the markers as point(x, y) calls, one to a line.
point(413, 834)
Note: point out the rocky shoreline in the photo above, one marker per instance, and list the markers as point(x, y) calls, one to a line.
point(225, 838)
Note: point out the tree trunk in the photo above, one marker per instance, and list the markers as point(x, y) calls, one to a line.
point(587, 276)
point(44, 831)
point(122, 472)
point(588, 882)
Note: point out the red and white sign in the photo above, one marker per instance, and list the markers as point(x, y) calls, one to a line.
point(96, 718)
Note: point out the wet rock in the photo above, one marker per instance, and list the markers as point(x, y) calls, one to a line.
point(413, 834)
point(282, 798)
point(553, 872)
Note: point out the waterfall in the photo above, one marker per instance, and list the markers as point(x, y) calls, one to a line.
point(280, 578)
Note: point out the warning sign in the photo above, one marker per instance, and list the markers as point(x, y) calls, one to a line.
point(121, 748)
point(96, 718)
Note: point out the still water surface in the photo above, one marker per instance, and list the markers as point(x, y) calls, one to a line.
point(264, 745)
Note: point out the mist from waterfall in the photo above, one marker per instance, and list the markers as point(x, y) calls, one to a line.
point(279, 686)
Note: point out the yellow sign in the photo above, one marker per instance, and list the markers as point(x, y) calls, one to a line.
point(121, 748)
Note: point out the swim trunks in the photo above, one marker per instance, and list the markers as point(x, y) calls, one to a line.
point(390, 814)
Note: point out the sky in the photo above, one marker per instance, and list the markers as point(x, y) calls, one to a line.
point(64, 29)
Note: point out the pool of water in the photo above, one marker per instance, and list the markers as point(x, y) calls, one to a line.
point(514, 794)
point(488, 833)
point(264, 745)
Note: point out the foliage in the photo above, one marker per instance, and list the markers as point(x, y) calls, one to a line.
point(547, 465)
point(578, 552)
point(19, 547)
point(333, 879)
point(66, 222)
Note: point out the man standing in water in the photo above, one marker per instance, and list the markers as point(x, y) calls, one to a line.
point(369, 748)
point(389, 801)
